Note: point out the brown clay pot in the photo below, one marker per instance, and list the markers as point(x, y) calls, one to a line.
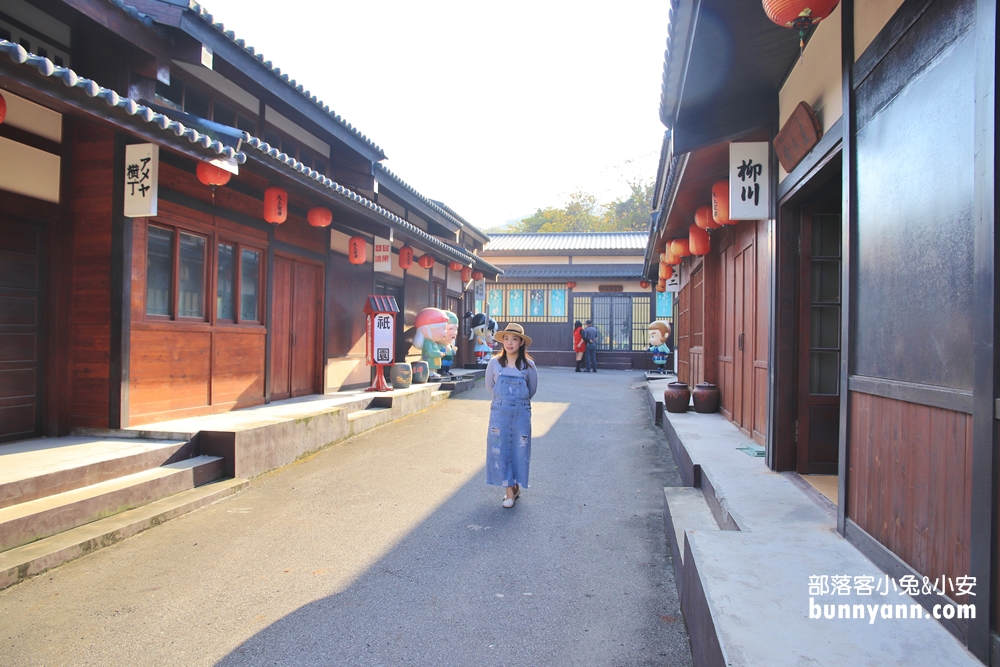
point(706, 398)
point(676, 397)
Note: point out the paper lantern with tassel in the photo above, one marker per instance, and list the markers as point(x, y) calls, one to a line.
point(670, 258)
point(720, 203)
point(357, 252)
point(466, 274)
point(454, 266)
point(666, 271)
point(698, 241)
point(275, 205)
point(426, 261)
point(661, 286)
point(703, 218)
point(405, 257)
point(680, 248)
point(320, 216)
point(644, 284)
point(571, 284)
point(209, 174)
point(477, 275)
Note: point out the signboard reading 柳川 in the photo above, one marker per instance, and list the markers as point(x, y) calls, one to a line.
point(142, 173)
point(749, 181)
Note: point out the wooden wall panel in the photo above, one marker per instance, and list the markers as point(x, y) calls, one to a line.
point(171, 372)
point(909, 483)
point(682, 334)
point(297, 231)
point(90, 314)
point(238, 368)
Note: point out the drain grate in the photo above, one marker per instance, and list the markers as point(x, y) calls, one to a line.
point(752, 449)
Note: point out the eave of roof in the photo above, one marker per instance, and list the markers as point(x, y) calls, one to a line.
point(573, 271)
point(352, 200)
point(131, 112)
point(225, 44)
point(468, 226)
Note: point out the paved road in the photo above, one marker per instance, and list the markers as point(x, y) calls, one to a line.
point(389, 549)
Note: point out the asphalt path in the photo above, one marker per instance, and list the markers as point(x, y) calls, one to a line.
point(389, 549)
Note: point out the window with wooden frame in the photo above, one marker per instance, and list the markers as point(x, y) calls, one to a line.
point(438, 300)
point(238, 285)
point(176, 273)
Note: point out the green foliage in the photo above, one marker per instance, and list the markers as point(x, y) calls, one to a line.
point(584, 214)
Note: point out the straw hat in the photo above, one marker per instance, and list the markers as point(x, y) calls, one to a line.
point(516, 330)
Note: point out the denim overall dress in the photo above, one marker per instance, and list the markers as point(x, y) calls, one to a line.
point(508, 443)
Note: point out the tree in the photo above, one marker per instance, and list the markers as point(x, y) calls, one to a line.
point(584, 214)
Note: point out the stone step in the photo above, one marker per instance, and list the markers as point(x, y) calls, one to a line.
point(43, 517)
point(41, 555)
point(35, 468)
point(684, 508)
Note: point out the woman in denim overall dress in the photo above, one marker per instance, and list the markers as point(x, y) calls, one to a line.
point(513, 379)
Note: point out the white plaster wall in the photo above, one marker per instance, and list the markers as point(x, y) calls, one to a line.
point(29, 171)
point(870, 16)
point(30, 117)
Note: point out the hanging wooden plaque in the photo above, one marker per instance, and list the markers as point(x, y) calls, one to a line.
point(797, 136)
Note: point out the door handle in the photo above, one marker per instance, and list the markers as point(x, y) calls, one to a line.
point(739, 342)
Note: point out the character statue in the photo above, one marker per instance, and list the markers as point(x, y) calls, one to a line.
point(450, 349)
point(658, 334)
point(482, 328)
point(431, 336)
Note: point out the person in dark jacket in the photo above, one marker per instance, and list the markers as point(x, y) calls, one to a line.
point(592, 337)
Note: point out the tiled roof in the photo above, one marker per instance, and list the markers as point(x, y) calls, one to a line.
point(90, 88)
point(465, 222)
point(407, 228)
point(568, 241)
point(431, 204)
point(205, 16)
point(573, 271)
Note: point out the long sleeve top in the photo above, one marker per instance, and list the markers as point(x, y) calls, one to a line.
point(494, 370)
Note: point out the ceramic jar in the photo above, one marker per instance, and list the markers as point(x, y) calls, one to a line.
point(676, 397)
point(400, 375)
point(706, 398)
point(421, 371)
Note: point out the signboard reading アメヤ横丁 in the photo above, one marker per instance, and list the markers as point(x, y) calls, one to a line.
point(142, 174)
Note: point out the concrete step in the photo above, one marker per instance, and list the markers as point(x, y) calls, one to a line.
point(37, 557)
point(684, 508)
point(43, 517)
point(43, 467)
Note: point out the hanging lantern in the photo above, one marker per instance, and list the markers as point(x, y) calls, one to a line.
point(466, 274)
point(405, 257)
point(3, 108)
point(211, 175)
point(703, 218)
point(319, 216)
point(666, 271)
point(426, 261)
point(571, 284)
point(477, 275)
point(698, 241)
point(720, 203)
point(644, 284)
point(800, 15)
point(357, 252)
point(680, 248)
point(454, 266)
point(661, 286)
point(669, 257)
point(275, 205)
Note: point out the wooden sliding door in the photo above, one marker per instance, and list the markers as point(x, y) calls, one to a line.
point(295, 333)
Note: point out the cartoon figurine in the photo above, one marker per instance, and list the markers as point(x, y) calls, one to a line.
point(658, 334)
point(431, 336)
point(450, 349)
point(482, 329)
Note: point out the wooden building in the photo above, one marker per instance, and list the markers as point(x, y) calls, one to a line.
point(853, 331)
point(108, 321)
point(552, 280)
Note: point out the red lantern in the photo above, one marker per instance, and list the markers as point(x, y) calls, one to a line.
point(799, 14)
point(275, 205)
point(3, 108)
point(454, 266)
point(661, 286)
point(477, 275)
point(405, 257)
point(720, 203)
point(666, 271)
point(209, 174)
point(466, 274)
point(669, 257)
point(703, 218)
point(698, 241)
point(571, 284)
point(426, 261)
point(320, 216)
point(644, 284)
point(357, 252)
point(680, 248)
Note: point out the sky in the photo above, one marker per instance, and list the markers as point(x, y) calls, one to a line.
point(496, 109)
